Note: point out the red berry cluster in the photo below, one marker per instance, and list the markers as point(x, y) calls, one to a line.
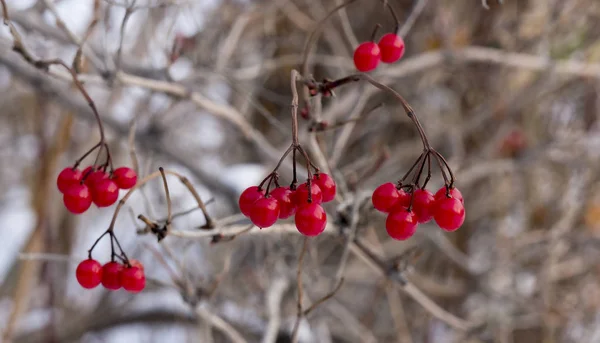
point(113, 275)
point(368, 54)
point(264, 208)
point(407, 209)
point(81, 188)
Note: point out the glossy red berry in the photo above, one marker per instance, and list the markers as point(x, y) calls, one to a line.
point(94, 177)
point(423, 205)
point(133, 279)
point(105, 193)
point(248, 198)
point(301, 194)
point(401, 224)
point(385, 197)
point(454, 193)
point(367, 56)
point(265, 212)
point(89, 273)
point(449, 213)
point(67, 178)
point(392, 48)
point(285, 198)
point(77, 198)
point(111, 275)
point(327, 186)
point(310, 219)
point(136, 263)
point(124, 177)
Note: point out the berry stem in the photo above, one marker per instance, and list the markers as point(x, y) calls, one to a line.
point(79, 160)
point(168, 196)
point(374, 33)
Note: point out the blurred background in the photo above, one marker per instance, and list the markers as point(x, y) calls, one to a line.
point(509, 95)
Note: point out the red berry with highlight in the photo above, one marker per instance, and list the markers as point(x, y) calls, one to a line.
point(454, 193)
point(124, 177)
point(401, 225)
point(367, 56)
point(95, 177)
point(133, 279)
point(301, 194)
point(392, 48)
point(136, 263)
point(111, 275)
point(327, 186)
point(67, 178)
point(385, 197)
point(265, 212)
point(423, 205)
point(248, 198)
point(310, 219)
point(105, 193)
point(285, 198)
point(89, 273)
point(77, 198)
point(449, 213)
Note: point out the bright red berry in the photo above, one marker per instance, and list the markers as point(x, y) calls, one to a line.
point(327, 185)
point(133, 279)
point(89, 273)
point(124, 177)
point(385, 197)
point(423, 205)
point(285, 198)
point(105, 193)
point(454, 192)
point(67, 178)
point(401, 224)
point(301, 194)
point(265, 212)
point(367, 56)
point(248, 198)
point(111, 275)
point(94, 177)
point(310, 219)
point(136, 263)
point(77, 198)
point(392, 48)
point(449, 213)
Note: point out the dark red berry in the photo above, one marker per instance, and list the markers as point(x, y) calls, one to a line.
point(385, 197)
point(132, 279)
point(248, 198)
point(310, 219)
point(67, 178)
point(105, 193)
point(401, 225)
point(124, 177)
point(94, 177)
point(327, 186)
point(285, 198)
point(392, 48)
point(449, 213)
point(423, 205)
point(77, 198)
point(265, 212)
point(89, 273)
point(301, 194)
point(111, 275)
point(454, 193)
point(367, 56)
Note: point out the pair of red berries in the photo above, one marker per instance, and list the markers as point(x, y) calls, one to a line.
point(81, 188)
point(368, 54)
point(113, 275)
point(446, 207)
point(264, 209)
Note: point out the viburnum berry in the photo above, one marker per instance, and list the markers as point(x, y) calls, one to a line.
point(248, 198)
point(67, 178)
point(401, 224)
point(392, 47)
point(367, 56)
point(385, 197)
point(124, 177)
point(327, 186)
point(111, 275)
point(89, 273)
point(264, 212)
point(77, 198)
point(133, 279)
point(135, 263)
point(301, 194)
point(94, 177)
point(449, 213)
point(105, 193)
point(423, 205)
point(285, 198)
point(310, 219)
point(454, 193)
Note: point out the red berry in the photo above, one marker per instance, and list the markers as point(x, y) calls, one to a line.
point(285, 198)
point(385, 197)
point(111, 275)
point(310, 219)
point(136, 263)
point(367, 56)
point(449, 213)
point(423, 205)
point(89, 273)
point(67, 178)
point(392, 48)
point(301, 194)
point(105, 193)
point(327, 185)
point(124, 177)
point(401, 225)
point(77, 198)
point(248, 198)
point(132, 279)
point(94, 177)
point(454, 192)
point(265, 212)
